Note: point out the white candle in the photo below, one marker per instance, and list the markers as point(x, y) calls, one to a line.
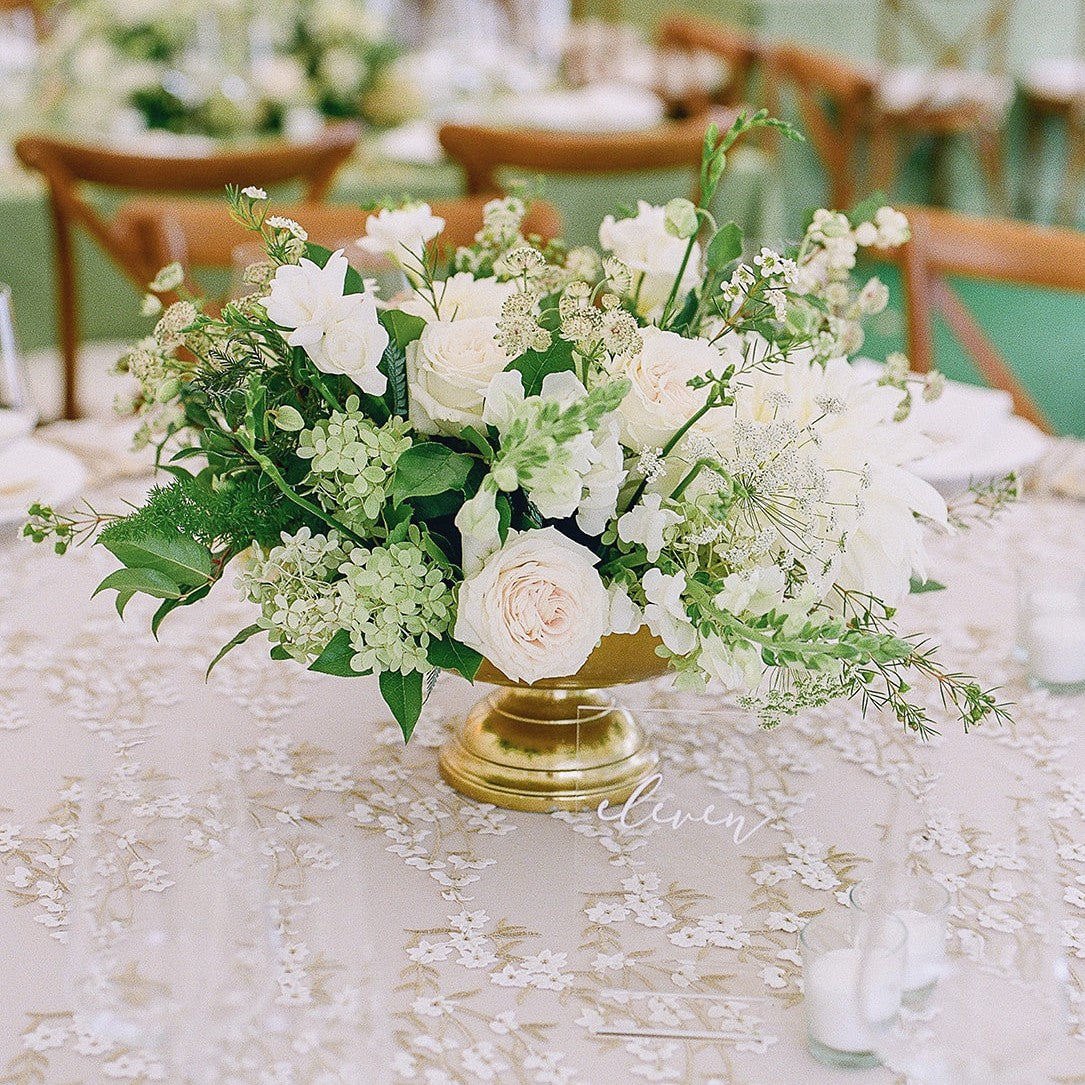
point(925, 947)
point(1055, 640)
point(830, 991)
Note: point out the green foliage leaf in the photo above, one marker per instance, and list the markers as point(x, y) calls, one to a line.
point(395, 365)
point(535, 366)
point(148, 581)
point(233, 642)
point(180, 559)
point(504, 516)
point(725, 246)
point(918, 587)
point(403, 695)
point(402, 328)
point(122, 600)
point(473, 437)
point(450, 655)
point(427, 469)
point(169, 605)
point(336, 657)
point(865, 210)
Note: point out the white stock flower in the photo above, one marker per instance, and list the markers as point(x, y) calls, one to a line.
point(340, 332)
point(666, 613)
point(479, 524)
point(645, 523)
point(459, 297)
point(625, 615)
point(654, 255)
point(401, 234)
point(755, 591)
point(537, 609)
point(449, 367)
point(736, 668)
point(660, 399)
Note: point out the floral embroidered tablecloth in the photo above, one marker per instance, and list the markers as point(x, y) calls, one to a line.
point(499, 936)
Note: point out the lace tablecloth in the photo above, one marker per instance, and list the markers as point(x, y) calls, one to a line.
point(498, 934)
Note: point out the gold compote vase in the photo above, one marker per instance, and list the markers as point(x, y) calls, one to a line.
point(560, 743)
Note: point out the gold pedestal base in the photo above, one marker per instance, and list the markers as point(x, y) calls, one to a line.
point(539, 749)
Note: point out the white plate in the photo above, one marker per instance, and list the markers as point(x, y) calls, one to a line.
point(35, 471)
point(1014, 444)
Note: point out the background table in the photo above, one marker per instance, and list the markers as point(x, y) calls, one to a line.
point(499, 931)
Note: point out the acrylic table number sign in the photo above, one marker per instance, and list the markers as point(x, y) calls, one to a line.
point(838, 951)
point(1052, 630)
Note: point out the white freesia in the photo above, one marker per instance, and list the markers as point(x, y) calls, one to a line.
point(479, 526)
point(653, 254)
point(660, 399)
point(340, 332)
point(538, 607)
point(665, 612)
point(449, 368)
point(646, 523)
point(459, 297)
point(401, 234)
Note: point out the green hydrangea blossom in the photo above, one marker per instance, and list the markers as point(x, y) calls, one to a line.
point(395, 600)
point(352, 460)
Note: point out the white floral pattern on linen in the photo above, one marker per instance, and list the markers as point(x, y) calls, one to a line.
point(509, 939)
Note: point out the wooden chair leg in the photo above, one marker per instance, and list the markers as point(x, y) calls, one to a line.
point(67, 303)
point(1027, 204)
point(1073, 178)
point(993, 164)
point(883, 156)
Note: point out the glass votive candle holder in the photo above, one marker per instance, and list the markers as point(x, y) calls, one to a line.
point(1051, 628)
point(839, 1024)
point(922, 906)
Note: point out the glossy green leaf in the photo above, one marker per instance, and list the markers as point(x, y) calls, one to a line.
point(403, 695)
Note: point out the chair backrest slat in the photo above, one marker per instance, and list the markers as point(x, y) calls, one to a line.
point(946, 244)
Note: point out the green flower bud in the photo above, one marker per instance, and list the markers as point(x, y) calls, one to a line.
point(506, 477)
point(289, 419)
point(681, 218)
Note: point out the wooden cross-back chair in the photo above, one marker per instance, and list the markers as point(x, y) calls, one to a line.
point(68, 167)
point(945, 244)
point(965, 66)
point(834, 97)
point(1054, 89)
point(201, 233)
point(740, 50)
point(484, 151)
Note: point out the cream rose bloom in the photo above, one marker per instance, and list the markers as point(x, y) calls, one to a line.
point(653, 255)
point(449, 367)
point(660, 399)
point(340, 332)
point(459, 297)
point(401, 234)
point(537, 609)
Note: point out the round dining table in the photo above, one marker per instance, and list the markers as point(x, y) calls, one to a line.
point(588, 948)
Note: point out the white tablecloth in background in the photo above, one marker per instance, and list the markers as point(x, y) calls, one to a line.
point(499, 929)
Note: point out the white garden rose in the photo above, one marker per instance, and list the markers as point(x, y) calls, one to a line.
point(538, 607)
point(653, 254)
point(340, 332)
point(459, 297)
point(449, 367)
point(660, 399)
point(401, 234)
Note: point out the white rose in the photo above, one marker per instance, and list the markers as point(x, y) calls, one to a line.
point(660, 399)
point(538, 607)
point(653, 254)
point(460, 297)
point(340, 332)
point(449, 368)
point(401, 234)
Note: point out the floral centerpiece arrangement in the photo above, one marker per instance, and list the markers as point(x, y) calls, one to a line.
point(540, 448)
point(225, 70)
